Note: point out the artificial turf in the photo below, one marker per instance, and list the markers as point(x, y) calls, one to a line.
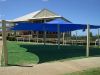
point(27, 53)
point(18, 55)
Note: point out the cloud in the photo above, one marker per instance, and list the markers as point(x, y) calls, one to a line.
point(3, 0)
point(45, 0)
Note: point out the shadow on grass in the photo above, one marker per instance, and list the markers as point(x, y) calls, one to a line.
point(51, 53)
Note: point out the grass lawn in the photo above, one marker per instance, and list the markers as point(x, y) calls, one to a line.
point(95, 71)
point(19, 53)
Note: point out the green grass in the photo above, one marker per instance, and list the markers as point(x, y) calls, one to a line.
point(19, 53)
point(95, 71)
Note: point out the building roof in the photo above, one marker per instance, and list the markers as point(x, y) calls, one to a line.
point(44, 13)
point(7, 21)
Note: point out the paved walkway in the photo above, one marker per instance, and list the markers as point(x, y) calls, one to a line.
point(53, 68)
point(1, 43)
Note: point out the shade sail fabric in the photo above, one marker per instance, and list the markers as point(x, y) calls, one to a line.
point(51, 26)
point(72, 25)
point(59, 21)
point(46, 27)
point(68, 26)
point(27, 26)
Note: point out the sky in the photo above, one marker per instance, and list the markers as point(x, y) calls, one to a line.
point(77, 11)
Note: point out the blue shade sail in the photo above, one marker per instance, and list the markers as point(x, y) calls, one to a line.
point(51, 26)
point(59, 21)
point(27, 26)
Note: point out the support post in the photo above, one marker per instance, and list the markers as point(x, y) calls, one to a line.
point(58, 27)
point(30, 36)
point(17, 37)
point(76, 37)
point(23, 38)
point(45, 38)
point(88, 40)
point(98, 38)
point(44, 34)
point(37, 37)
point(5, 54)
point(63, 38)
point(14, 31)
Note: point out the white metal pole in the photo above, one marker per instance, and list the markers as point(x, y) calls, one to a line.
point(5, 54)
point(58, 27)
point(88, 40)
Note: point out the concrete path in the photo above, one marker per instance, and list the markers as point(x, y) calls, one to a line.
point(53, 68)
point(1, 43)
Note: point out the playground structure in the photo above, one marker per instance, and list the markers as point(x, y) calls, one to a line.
point(53, 24)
